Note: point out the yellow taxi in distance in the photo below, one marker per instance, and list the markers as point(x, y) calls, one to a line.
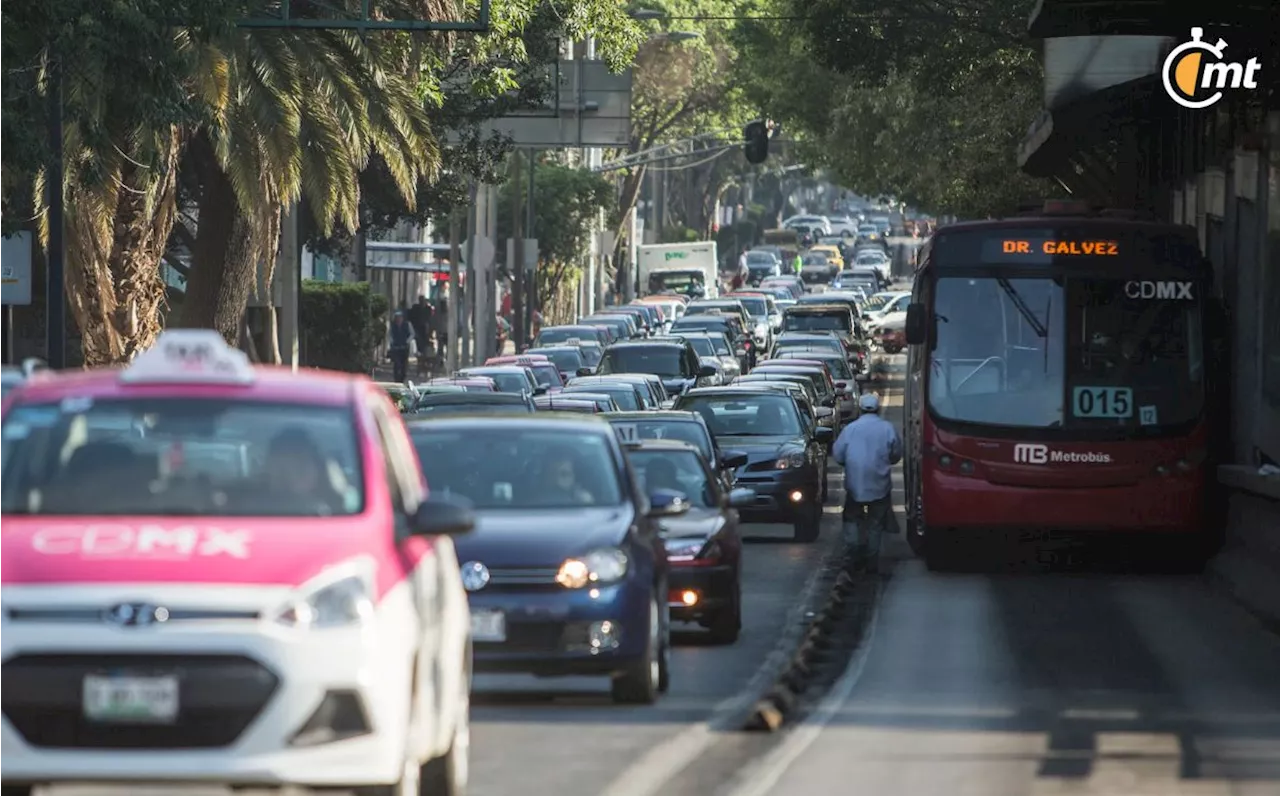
point(830, 252)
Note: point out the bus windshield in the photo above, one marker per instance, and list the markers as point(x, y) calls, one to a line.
point(1062, 351)
point(679, 281)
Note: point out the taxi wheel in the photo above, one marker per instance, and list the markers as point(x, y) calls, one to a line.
point(639, 682)
point(447, 775)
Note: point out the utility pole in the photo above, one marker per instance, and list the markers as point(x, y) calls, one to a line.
point(55, 298)
point(517, 254)
point(531, 278)
point(454, 307)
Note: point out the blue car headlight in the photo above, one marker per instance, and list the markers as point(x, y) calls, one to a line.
point(599, 567)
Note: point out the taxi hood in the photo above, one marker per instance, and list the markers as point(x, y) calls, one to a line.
point(541, 537)
point(196, 550)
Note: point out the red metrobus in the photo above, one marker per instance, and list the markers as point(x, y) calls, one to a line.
point(1059, 379)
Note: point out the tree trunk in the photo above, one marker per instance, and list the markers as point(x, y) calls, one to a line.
point(627, 201)
point(224, 263)
point(114, 285)
point(271, 337)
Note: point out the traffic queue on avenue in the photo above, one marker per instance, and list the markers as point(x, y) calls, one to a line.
point(222, 573)
point(218, 572)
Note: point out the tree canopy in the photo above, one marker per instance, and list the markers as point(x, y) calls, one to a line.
point(186, 133)
point(927, 103)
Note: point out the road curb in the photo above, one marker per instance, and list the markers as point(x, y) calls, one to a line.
point(779, 663)
point(829, 635)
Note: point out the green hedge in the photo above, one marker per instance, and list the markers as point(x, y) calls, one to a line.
point(341, 324)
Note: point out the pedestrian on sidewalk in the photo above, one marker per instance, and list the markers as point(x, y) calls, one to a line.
point(400, 344)
point(867, 449)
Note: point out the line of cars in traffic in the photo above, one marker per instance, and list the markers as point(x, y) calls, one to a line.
point(608, 501)
point(220, 572)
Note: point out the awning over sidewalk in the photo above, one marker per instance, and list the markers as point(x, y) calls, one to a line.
point(1052, 18)
point(1090, 145)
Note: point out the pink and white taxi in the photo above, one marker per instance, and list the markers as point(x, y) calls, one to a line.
point(219, 573)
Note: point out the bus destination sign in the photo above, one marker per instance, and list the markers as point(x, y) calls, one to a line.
point(1044, 250)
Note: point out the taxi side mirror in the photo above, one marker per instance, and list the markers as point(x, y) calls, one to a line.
point(916, 328)
point(541, 389)
point(441, 517)
point(584, 371)
point(741, 498)
point(707, 371)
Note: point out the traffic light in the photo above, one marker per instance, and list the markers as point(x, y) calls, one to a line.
point(756, 146)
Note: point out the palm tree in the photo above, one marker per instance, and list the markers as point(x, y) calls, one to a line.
point(303, 113)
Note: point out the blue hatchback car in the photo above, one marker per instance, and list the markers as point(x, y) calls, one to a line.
point(566, 570)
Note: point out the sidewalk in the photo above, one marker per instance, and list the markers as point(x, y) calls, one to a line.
point(1248, 566)
point(383, 372)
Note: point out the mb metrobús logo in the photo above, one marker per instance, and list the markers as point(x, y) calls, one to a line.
point(1195, 73)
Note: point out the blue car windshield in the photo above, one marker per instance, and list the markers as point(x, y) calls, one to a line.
point(508, 467)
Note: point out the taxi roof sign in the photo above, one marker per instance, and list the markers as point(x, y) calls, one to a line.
point(190, 356)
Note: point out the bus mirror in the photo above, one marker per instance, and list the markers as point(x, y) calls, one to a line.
point(917, 325)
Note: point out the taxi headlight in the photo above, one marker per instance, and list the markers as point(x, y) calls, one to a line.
point(789, 462)
point(332, 602)
point(684, 549)
point(594, 568)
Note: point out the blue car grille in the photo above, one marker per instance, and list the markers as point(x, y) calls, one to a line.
point(523, 577)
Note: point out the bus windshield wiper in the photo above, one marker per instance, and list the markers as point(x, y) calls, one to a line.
point(1027, 315)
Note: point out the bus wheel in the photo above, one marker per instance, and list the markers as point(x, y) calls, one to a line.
point(944, 553)
point(1185, 556)
point(916, 539)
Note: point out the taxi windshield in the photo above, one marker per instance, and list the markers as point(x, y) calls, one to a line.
point(690, 431)
point(180, 457)
point(545, 374)
point(506, 381)
point(679, 471)
point(518, 468)
point(566, 359)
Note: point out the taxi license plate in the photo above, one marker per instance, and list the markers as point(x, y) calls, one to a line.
point(488, 625)
point(135, 700)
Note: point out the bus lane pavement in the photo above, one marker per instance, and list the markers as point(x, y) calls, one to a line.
point(1081, 682)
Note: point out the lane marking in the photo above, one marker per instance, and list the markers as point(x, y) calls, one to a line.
point(649, 775)
point(760, 778)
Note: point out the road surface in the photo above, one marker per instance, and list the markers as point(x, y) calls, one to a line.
point(566, 737)
point(1042, 684)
